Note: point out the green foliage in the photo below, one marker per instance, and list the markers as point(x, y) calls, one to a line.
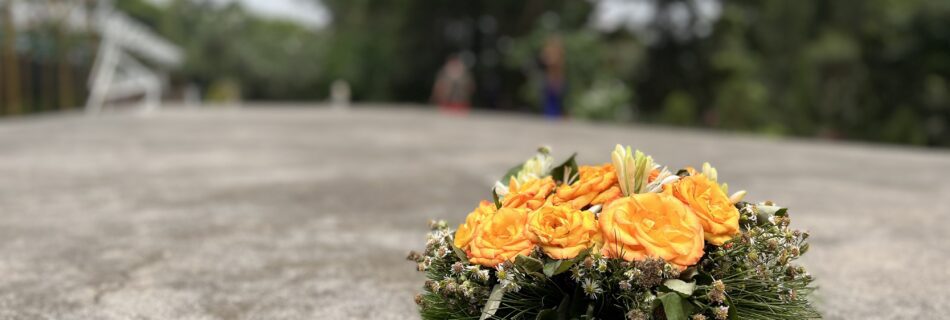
point(566, 172)
point(673, 306)
point(756, 269)
point(603, 100)
point(872, 70)
point(224, 45)
point(904, 126)
point(679, 109)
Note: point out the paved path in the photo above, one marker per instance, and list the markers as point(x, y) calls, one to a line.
point(307, 213)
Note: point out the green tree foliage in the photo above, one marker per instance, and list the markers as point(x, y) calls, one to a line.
point(225, 46)
point(870, 70)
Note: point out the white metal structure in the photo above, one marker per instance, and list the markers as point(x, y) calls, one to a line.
point(117, 74)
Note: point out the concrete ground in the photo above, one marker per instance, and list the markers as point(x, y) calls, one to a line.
point(308, 213)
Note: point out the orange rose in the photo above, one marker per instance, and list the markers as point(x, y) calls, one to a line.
point(563, 231)
point(465, 232)
point(652, 225)
point(500, 238)
point(531, 194)
point(595, 185)
point(717, 214)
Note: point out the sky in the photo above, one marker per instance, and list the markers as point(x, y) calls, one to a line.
point(637, 15)
point(634, 15)
point(307, 12)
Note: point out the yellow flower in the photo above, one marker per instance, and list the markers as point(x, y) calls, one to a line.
point(717, 214)
point(500, 238)
point(465, 232)
point(531, 194)
point(652, 225)
point(595, 185)
point(563, 231)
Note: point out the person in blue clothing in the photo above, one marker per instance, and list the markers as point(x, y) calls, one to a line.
point(553, 83)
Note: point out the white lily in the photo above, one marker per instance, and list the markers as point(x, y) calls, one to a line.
point(736, 197)
point(710, 172)
point(501, 189)
point(623, 161)
point(633, 171)
point(536, 167)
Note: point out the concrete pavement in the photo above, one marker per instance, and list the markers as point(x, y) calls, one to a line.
point(307, 213)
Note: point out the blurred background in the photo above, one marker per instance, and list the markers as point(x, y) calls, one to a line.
point(874, 70)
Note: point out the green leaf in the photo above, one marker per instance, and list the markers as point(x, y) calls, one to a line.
point(672, 306)
point(459, 253)
point(494, 197)
point(680, 286)
point(564, 309)
point(555, 267)
point(764, 213)
point(528, 264)
point(689, 273)
point(590, 312)
point(566, 172)
point(732, 310)
point(511, 172)
point(703, 279)
point(547, 314)
point(781, 212)
point(494, 301)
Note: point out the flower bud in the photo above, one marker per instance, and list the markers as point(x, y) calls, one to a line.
point(625, 285)
point(753, 256)
point(414, 256)
point(451, 287)
point(433, 285)
point(636, 315)
point(721, 313)
point(458, 268)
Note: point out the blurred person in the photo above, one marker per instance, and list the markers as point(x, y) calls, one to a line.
point(553, 83)
point(453, 87)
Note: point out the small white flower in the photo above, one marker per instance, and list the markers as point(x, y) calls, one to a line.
point(577, 273)
point(507, 279)
point(591, 288)
point(501, 272)
point(482, 275)
point(601, 265)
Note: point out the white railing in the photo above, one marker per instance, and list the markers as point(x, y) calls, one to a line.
point(117, 74)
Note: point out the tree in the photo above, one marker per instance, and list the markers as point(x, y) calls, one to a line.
point(11, 65)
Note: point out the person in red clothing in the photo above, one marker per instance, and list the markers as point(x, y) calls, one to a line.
point(453, 87)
